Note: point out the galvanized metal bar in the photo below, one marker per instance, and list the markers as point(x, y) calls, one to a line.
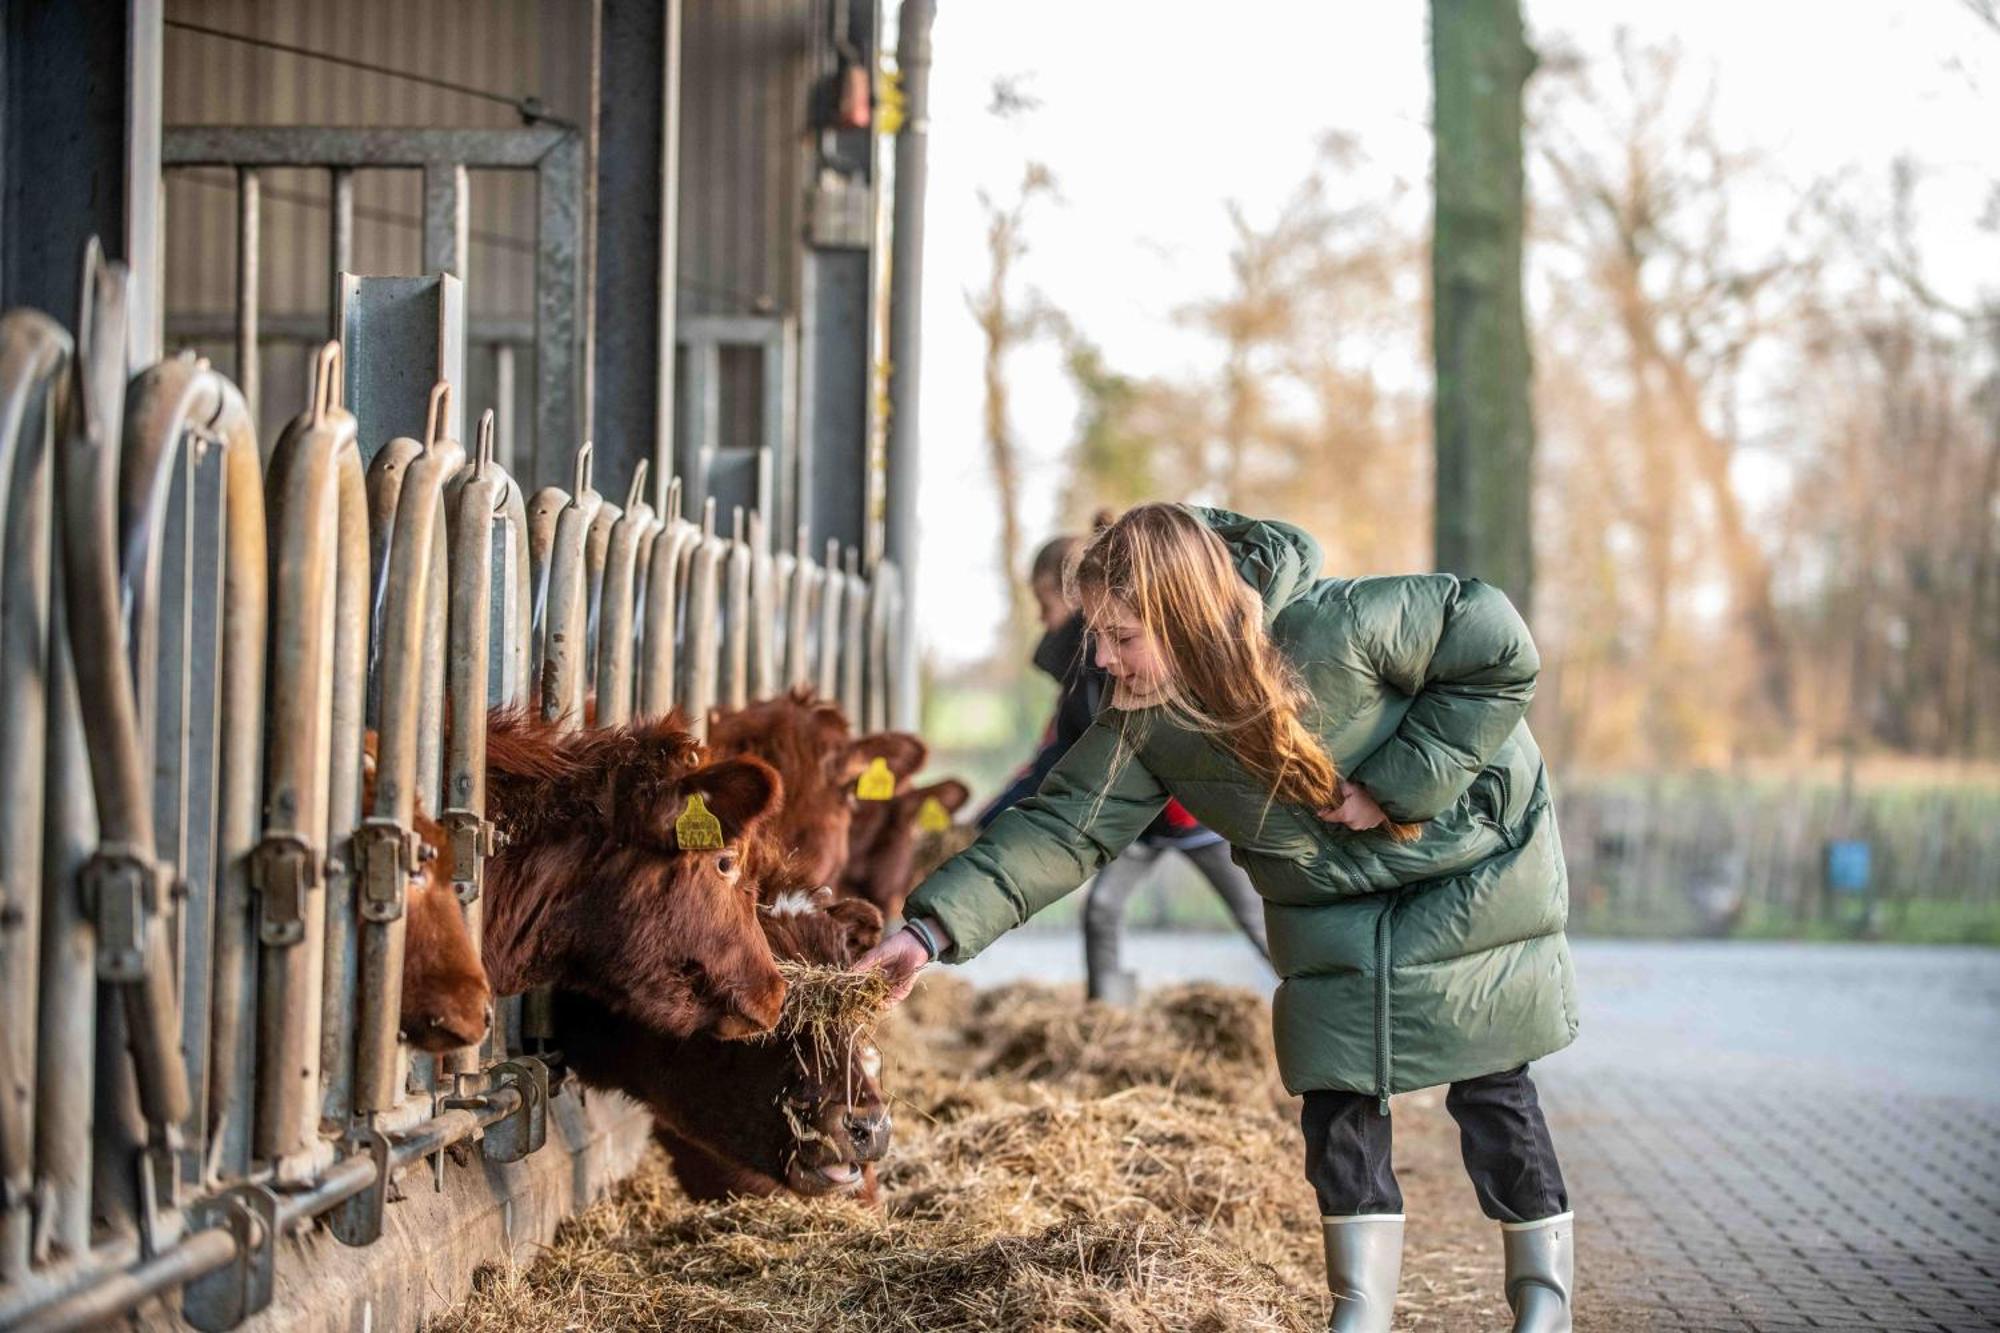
point(318, 593)
point(123, 880)
point(558, 296)
point(387, 841)
point(737, 618)
point(883, 589)
point(239, 712)
point(801, 604)
point(596, 552)
point(340, 240)
point(702, 634)
point(503, 394)
point(832, 615)
point(482, 634)
point(34, 356)
point(666, 584)
point(185, 424)
point(565, 645)
point(447, 218)
point(249, 210)
point(618, 607)
point(853, 637)
point(333, 966)
point(543, 513)
point(765, 620)
point(357, 146)
point(65, 1079)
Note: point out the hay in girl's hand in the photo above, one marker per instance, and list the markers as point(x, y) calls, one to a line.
point(829, 1007)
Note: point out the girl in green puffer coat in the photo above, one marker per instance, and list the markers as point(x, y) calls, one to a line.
point(1361, 745)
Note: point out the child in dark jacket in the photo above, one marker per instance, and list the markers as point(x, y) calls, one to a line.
point(1064, 654)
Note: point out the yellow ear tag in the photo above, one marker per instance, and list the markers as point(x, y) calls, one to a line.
point(876, 783)
point(932, 817)
point(697, 830)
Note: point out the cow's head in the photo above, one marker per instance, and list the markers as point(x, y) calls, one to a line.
point(753, 1117)
point(835, 1120)
point(445, 993)
point(601, 887)
point(884, 841)
point(813, 748)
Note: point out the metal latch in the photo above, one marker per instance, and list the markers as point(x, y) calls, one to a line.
point(388, 855)
point(472, 840)
point(284, 869)
point(121, 883)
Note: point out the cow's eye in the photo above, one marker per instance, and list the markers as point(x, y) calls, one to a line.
point(728, 864)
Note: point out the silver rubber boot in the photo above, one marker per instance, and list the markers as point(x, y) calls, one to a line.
point(1364, 1261)
point(1541, 1271)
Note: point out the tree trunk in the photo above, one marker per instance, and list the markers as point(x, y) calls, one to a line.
point(1480, 61)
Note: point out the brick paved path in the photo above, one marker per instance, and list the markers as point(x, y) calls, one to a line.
point(1768, 1138)
point(1756, 1137)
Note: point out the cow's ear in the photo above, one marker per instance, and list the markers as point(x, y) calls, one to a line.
point(862, 922)
point(740, 793)
point(902, 752)
point(951, 793)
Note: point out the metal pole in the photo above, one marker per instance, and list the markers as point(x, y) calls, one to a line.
point(249, 197)
point(906, 285)
point(670, 208)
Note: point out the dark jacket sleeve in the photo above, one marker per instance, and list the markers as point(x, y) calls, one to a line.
point(1463, 653)
point(1096, 801)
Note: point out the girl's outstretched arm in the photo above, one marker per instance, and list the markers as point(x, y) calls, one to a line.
point(1095, 801)
point(1462, 650)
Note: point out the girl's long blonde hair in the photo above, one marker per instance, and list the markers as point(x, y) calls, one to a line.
point(1225, 677)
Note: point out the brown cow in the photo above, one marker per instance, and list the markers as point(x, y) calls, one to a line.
point(445, 991)
point(753, 1117)
point(883, 843)
point(811, 745)
point(591, 889)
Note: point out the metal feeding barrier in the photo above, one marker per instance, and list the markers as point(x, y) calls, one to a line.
point(201, 926)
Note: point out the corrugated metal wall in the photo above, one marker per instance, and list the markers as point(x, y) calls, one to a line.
point(535, 48)
point(746, 152)
point(746, 148)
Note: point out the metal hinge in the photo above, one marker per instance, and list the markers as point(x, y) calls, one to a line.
point(121, 885)
point(284, 869)
point(388, 854)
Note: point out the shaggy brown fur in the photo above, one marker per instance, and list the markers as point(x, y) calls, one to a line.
point(592, 891)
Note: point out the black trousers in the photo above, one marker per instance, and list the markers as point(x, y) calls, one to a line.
point(1501, 1133)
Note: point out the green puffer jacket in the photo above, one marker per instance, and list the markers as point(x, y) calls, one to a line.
point(1404, 965)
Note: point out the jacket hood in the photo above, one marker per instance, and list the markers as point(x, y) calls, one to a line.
point(1277, 559)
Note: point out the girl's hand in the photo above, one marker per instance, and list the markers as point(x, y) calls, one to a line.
point(900, 957)
point(1357, 809)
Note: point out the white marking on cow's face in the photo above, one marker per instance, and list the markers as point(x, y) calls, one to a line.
point(871, 1061)
point(796, 902)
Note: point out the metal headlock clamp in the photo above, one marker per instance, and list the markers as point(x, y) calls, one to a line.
point(472, 840)
point(388, 854)
point(284, 870)
point(122, 888)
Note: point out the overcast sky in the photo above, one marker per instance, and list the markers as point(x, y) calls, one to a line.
point(1154, 115)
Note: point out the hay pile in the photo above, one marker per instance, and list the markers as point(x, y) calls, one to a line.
point(1056, 1166)
point(830, 1009)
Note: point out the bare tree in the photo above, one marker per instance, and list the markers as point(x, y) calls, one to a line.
point(1006, 320)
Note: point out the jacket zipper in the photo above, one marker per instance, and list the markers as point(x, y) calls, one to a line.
point(1382, 1012)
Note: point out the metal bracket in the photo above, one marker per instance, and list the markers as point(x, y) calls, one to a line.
point(527, 1129)
point(358, 1220)
point(121, 885)
point(159, 1189)
point(472, 841)
point(229, 1295)
point(388, 854)
point(284, 869)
